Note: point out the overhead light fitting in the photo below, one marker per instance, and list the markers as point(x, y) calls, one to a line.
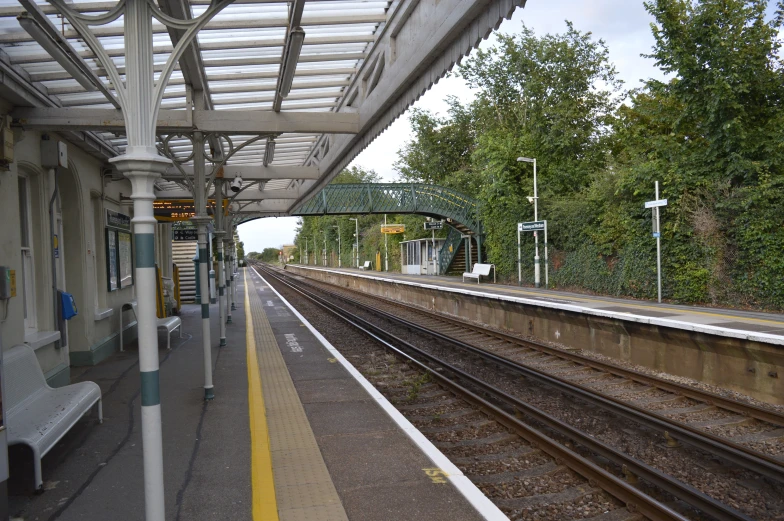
point(57, 49)
point(525, 160)
point(293, 48)
point(269, 151)
point(236, 184)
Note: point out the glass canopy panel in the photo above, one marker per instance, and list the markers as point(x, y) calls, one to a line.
point(241, 52)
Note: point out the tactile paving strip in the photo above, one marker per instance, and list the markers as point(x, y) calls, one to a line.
point(303, 486)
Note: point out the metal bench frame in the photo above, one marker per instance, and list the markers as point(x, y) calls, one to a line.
point(38, 415)
point(168, 323)
point(480, 270)
point(366, 266)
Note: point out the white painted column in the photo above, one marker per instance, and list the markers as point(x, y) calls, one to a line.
point(221, 275)
point(233, 269)
point(142, 164)
point(229, 276)
point(201, 219)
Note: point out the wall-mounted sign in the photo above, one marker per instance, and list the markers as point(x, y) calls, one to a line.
point(170, 210)
point(117, 220)
point(393, 228)
point(185, 234)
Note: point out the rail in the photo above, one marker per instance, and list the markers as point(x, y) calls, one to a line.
point(501, 404)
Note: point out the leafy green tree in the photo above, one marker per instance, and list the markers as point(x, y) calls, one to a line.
point(712, 136)
point(441, 151)
point(269, 255)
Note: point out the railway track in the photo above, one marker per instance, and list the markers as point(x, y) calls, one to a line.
point(625, 478)
point(747, 435)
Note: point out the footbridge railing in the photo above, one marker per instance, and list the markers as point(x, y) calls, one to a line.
point(417, 198)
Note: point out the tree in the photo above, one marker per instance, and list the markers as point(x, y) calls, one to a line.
point(712, 136)
point(441, 150)
point(269, 255)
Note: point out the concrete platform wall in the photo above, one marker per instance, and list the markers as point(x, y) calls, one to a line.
point(750, 367)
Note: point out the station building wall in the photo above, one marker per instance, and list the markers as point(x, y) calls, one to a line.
point(26, 247)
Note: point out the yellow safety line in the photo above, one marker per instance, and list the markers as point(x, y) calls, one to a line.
point(265, 504)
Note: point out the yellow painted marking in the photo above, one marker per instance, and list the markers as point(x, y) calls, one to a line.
point(265, 504)
point(332, 360)
point(436, 475)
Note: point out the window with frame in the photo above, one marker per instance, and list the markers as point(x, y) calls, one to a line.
point(28, 264)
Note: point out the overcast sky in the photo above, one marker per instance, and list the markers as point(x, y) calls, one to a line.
point(623, 24)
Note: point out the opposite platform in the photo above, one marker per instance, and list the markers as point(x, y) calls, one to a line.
point(749, 325)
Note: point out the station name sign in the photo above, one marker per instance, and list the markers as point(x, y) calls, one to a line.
point(434, 225)
point(533, 226)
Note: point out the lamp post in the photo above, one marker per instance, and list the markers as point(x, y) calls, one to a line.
point(340, 264)
point(325, 248)
point(535, 198)
point(356, 234)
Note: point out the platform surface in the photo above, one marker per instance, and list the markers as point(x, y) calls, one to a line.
point(377, 471)
point(335, 454)
point(766, 327)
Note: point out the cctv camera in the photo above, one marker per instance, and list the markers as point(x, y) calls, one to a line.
point(530, 199)
point(236, 185)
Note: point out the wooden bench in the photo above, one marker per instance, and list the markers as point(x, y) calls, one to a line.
point(366, 267)
point(38, 415)
point(168, 323)
point(480, 270)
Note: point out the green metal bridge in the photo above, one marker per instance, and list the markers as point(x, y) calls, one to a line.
point(460, 210)
point(422, 199)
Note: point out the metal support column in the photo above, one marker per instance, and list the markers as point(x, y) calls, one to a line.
point(233, 269)
point(142, 164)
point(201, 219)
point(227, 276)
point(221, 275)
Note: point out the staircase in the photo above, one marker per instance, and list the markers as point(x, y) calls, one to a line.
point(183, 253)
point(454, 262)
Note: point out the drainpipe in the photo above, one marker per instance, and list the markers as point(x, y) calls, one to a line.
point(53, 175)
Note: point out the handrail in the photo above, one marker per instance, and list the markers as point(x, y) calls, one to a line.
point(445, 256)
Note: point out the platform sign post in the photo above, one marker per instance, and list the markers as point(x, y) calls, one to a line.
point(386, 247)
point(433, 226)
point(519, 256)
point(654, 206)
point(533, 226)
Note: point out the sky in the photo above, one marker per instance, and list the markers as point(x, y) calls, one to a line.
point(623, 24)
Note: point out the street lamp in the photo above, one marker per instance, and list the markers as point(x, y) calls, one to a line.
point(535, 200)
point(356, 227)
point(339, 250)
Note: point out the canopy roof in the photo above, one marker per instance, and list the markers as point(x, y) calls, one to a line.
point(238, 61)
